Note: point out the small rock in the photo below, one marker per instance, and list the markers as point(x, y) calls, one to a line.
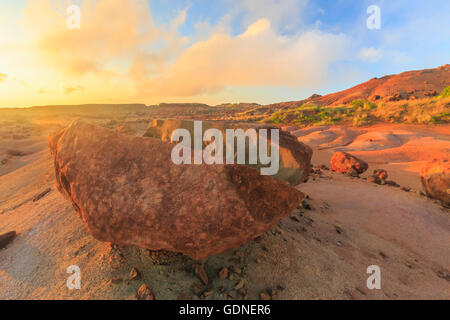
point(6, 238)
point(406, 189)
point(116, 261)
point(239, 285)
point(380, 174)
point(144, 293)
point(237, 270)
point(338, 229)
point(41, 195)
point(264, 296)
point(373, 179)
point(116, 280)
point(392, 183)
point(344, 162)
point(443, 275)
point(135, 274)
point(208, 293)
point(306, 205)
point(199, 271)
point(223, 273)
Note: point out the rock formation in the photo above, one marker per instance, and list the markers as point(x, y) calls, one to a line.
point(129, 192)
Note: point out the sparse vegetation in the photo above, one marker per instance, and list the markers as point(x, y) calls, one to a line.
point(363, 113)
point(445, 93)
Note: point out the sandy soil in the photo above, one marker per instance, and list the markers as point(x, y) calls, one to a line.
point(322, 253)
point(398, 148)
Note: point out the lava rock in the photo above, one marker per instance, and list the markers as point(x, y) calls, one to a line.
point(345, 162)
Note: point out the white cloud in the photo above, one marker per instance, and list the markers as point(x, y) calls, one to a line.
point(370, 54)
point(257, 57)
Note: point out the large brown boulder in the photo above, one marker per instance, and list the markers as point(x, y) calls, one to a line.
point(129, 192)
point(345, 162)
point(295, 157)
point(435, 176)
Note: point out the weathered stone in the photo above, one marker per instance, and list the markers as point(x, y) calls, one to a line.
point(135, 274)
point(264, 296)
point(380, 174)
point(199, 271)
point(144, 293)
point(344, 162)
point(6, 238)
point(295, 157)
point(39, 196)
point(129, 192)
point(435, 176)
point(223, 273)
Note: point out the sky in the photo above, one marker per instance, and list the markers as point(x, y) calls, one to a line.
point(210, 51)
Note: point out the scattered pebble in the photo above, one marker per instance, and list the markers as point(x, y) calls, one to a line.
point(208, 293)
point(237, 270)
point(144, 293)
point(7, 238)
point(443, 275)
point(239, 285)
point(116, 280)
point(223, 273)
point(264, 296)
point(41, 195)
point(199, 271)
point(135, 274)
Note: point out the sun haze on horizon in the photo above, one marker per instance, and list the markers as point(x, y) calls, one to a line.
point(264, 51)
